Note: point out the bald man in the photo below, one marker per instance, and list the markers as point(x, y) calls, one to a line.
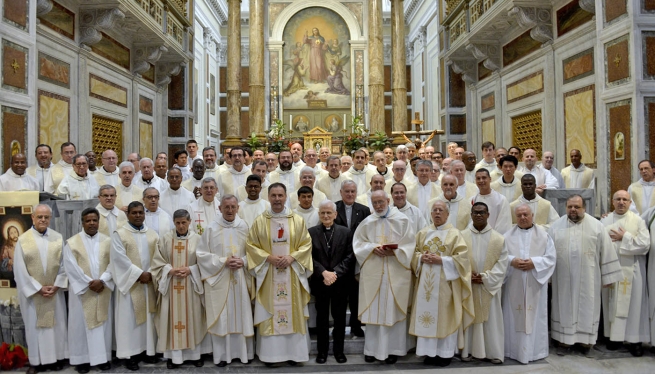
point(16, 179)
point(578, 175)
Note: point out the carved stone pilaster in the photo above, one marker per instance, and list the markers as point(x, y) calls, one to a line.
point(146, 55)
point(207, 37)
point(409, 51)
point(538, 20)
point(92, 21)
point(166, 70)
point(588, 5)
point(43, 7)
point(221, 53)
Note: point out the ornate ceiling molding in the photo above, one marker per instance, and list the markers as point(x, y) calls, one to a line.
point(43, 7)
point(146, 55)
point(588, 5)
point(538, 20)
point(166, 70)
point(92, 21)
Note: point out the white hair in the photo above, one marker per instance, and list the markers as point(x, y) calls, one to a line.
point(523, 205)
point(348, 181)
point(144, 160)
point(306, 169)
point(125, 164)
point(328, 203)
point(37, 206)
point(401, 148)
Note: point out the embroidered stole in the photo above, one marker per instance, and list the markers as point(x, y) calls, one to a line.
point(427, 299)
point(482, 297)
point(179, 299)
point(282, 300)
point(620, 294)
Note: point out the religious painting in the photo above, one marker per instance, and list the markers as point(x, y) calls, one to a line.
point(570, 16)
point(333, 123)
point(61, 20)
point(316, 71)
point(113, 51)
point(619, 146)
point(54, 71)
point(15, 219)
point(14, 133)
point(301, 123)
point(212, 94)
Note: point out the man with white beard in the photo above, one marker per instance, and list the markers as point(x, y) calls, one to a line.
point(531, 256)
point(126, 192)
point(586, 260)
point(79, 185)
point(385, 279)
point(460, 214)
point(175, 196)
point(132, 247)
point(223, 264)
point(204, 210)
point(487, 252)
point(156, 218)
point(625, 304)
point(86, 260)
point(399, 196)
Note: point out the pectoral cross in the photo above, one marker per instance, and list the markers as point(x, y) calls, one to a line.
point(179, 247)
point(179, 327)
point(625, 285)
point(520, 308)
point(199, 222)
point(179, 287)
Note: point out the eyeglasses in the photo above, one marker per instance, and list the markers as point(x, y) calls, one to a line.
point(152, 197)
point(80, 165)
point(108, 196)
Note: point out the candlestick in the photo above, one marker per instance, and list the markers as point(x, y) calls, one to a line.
point(290, 122)
point(344, 121)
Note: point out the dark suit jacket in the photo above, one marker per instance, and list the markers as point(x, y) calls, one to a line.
point(360, 212)
point(341, 260)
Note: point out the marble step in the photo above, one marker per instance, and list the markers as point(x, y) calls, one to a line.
point(352, 345)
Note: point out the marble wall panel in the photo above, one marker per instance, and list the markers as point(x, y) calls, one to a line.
point(619, 118)
point(571, 16)
point(457, 91)
point(54, 71)
point(274, 74)
point(525, 87)
point(105, 90)
point(519, 48)
point(648, 51)
point(274, 10)
point(145, 105)
point(176, 97)
point(54, 119)
point(359, 67)
point(113, 51)
point(457, 124)
point(617, 61)
point(488, 102)
point(172, 148)
point(212, 94)
point(648, 6)
point(578, 66)
point(649, 103)
point(61, 20)
point(176, 127)
point(14, 67)
point(14, 133)
point(14, 13)
point(145, 138)
point(357, 10)
point(580, 124)
point(442, 83)
point(489, 130)
point(614, 9)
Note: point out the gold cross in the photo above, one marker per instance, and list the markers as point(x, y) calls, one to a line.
point(232, 247)
point(617, 60)
point(199, 228)
point(179, 327)
point(179, 287)
point(625, 285)
point(179, 247)
point(520, 308)
point(15, 66)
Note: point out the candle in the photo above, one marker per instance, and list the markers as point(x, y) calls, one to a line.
point(266, 123)
point(290, 122)
point(344, 121)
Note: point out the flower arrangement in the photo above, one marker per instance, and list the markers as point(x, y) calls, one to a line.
point(357, 137)
point(12, 356)
point(278, 139)
point(253, 142)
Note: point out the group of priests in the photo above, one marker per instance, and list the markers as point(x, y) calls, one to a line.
point(445, 255)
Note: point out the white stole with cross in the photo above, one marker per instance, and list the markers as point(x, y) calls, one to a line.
point(282, 308)
point(202, 214)
point(426, 312)
point(178, 299)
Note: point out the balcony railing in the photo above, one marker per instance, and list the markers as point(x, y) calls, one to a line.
point(452, 4)
point(169, 20)
point(458, 27)
point(478, 7)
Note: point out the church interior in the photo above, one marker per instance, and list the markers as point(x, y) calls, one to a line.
point(147, 75)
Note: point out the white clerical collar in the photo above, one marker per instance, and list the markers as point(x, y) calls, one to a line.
point(125, 188)
point(336, 177)
point(65, 164)
point(303, 210)
point(249, 201)
point(404, 207)
point(576, 223)
point(44, 234)
point(156, 212)
point(280, 171)
point(619, 216)
point(581, 168)
point(244, 169)
point(135, 229)
point(205, 202)
point(442, 227)
point(525, 230)
point(475, 231)
point(102, 170)
point(455, 199)
point(174, 192)
point(94, 237)
point(104, 211)
point(285, 212)
point(38, 167)
point(79, 178)
point(355, 171)
point(536, 198)
point(644, 183)
point(11, 173)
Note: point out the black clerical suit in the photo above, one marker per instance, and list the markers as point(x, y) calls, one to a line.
point(332, 250)
point(359, 213)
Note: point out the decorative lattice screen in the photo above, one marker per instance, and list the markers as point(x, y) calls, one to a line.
point(107, 134)
point(526, 132)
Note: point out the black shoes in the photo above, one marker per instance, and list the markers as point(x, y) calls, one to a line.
point(198, 363)
point(369, 359)
point(391, 359)
point(636, 349)
point(105, 366)
point(613, 346)
point(321, 358)
point(443, 362)
point(223, 364)
point(292, 363)
point(83, 368)
point(150, 359)
point(132, 365)
point(357, 332)
point(341, 358)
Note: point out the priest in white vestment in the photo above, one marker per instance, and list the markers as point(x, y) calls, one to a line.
point(330, 184)
point(235, 176)
point(86, 260)
point(211, 167)
point(78, 184)
point(547, 161)
point(488, 153)
point(278, 252)
point(377, 184)
point(399, 197)
point(420, 193)
point(16, 179)
point(500, 217)
point(132, 248)
point(258, 168)
point(359, 172)
point(384, 279)
point(311, 161)
point(253, 205)
point(181, 315)
point(148, 178)
point(307, 178)
point(399, 176)
point(111, 217)
point(464, 188)
point(156, 219)
point(65, 165)
point(126, 192)
point(43, 170)
point(578, 175)
point(204, 210)
point(442, 307)
point(544, 213)
point(305, 208)
point(485, 338)
point(625, 304)
point(40, 282)
point(198, 173)
point(543, 177)
point(108, 172)
point(175, 197)
point(531, 256)
point(285, 173)
point(586, 260)
point(641, 191)
point(509, 184)
point(649, 218)
point(228, 285)
point(458, 205)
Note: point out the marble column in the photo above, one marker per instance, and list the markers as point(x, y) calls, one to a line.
point(256, 73)
point(233, 137)
point(375, 67)
point(398, 71)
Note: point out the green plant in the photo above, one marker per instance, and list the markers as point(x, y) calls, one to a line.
point(379, 141)
point(357, 137)
point(277, 137)
point(253, 141)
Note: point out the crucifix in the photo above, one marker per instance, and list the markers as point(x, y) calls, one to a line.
point(179, 327)
point(179, 287)
point(179, 247)
point(199, 222)
point(625, 285)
